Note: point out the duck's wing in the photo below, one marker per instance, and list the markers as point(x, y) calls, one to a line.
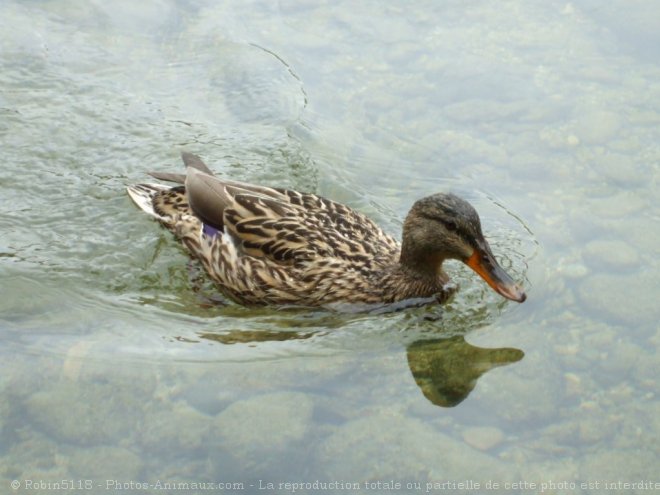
point(282, 225)
point(288, 227)
point(210, 196)
point(262, 221)
point(350, 229)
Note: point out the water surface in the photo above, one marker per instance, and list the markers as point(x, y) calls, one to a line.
point(120, 365)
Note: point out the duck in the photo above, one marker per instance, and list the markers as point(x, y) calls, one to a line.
point(273, 246)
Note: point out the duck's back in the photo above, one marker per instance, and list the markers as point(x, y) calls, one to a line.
point(272, 246)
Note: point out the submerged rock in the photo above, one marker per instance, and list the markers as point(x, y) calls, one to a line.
point(403, 448)
point(105, 463)
point(612, 255)
point(483, 437)
point(597, 126)
point(256, 428)
point(193, 431)
point(629, 299)
point(86, 413)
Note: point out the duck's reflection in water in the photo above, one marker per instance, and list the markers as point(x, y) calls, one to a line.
point(253, 337)
point(447, 370)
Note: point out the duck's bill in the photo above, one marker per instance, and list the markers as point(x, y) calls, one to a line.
point(483, 262)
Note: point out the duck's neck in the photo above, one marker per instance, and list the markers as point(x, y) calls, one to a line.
point(406, 281)
point(418, 272)
point(417, 259)
point(421, 264)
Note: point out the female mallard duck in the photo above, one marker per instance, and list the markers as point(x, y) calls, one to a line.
point(265, 245)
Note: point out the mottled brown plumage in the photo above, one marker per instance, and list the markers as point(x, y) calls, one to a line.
point(275, 246)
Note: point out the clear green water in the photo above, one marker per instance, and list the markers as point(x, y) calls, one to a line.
point(115, 366)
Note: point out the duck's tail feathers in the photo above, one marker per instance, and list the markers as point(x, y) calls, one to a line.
point(168, 176)
point(190, 161)
point(143, 196)
point(194, 161)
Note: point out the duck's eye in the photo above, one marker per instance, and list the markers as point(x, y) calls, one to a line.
point(449, 225)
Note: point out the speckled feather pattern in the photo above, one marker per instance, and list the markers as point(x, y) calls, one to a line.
point(289, 248)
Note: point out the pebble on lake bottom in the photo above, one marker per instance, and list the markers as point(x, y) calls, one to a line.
point(398, 447)
point(271, 422)
point(629, 299)
point(612, 255)
point(483, 437)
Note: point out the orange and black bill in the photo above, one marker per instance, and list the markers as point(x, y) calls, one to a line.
point(483, 262)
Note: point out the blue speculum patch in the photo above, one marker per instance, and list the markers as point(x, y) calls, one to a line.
point(209, 231)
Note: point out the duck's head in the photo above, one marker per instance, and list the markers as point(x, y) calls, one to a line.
point(444, 226)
